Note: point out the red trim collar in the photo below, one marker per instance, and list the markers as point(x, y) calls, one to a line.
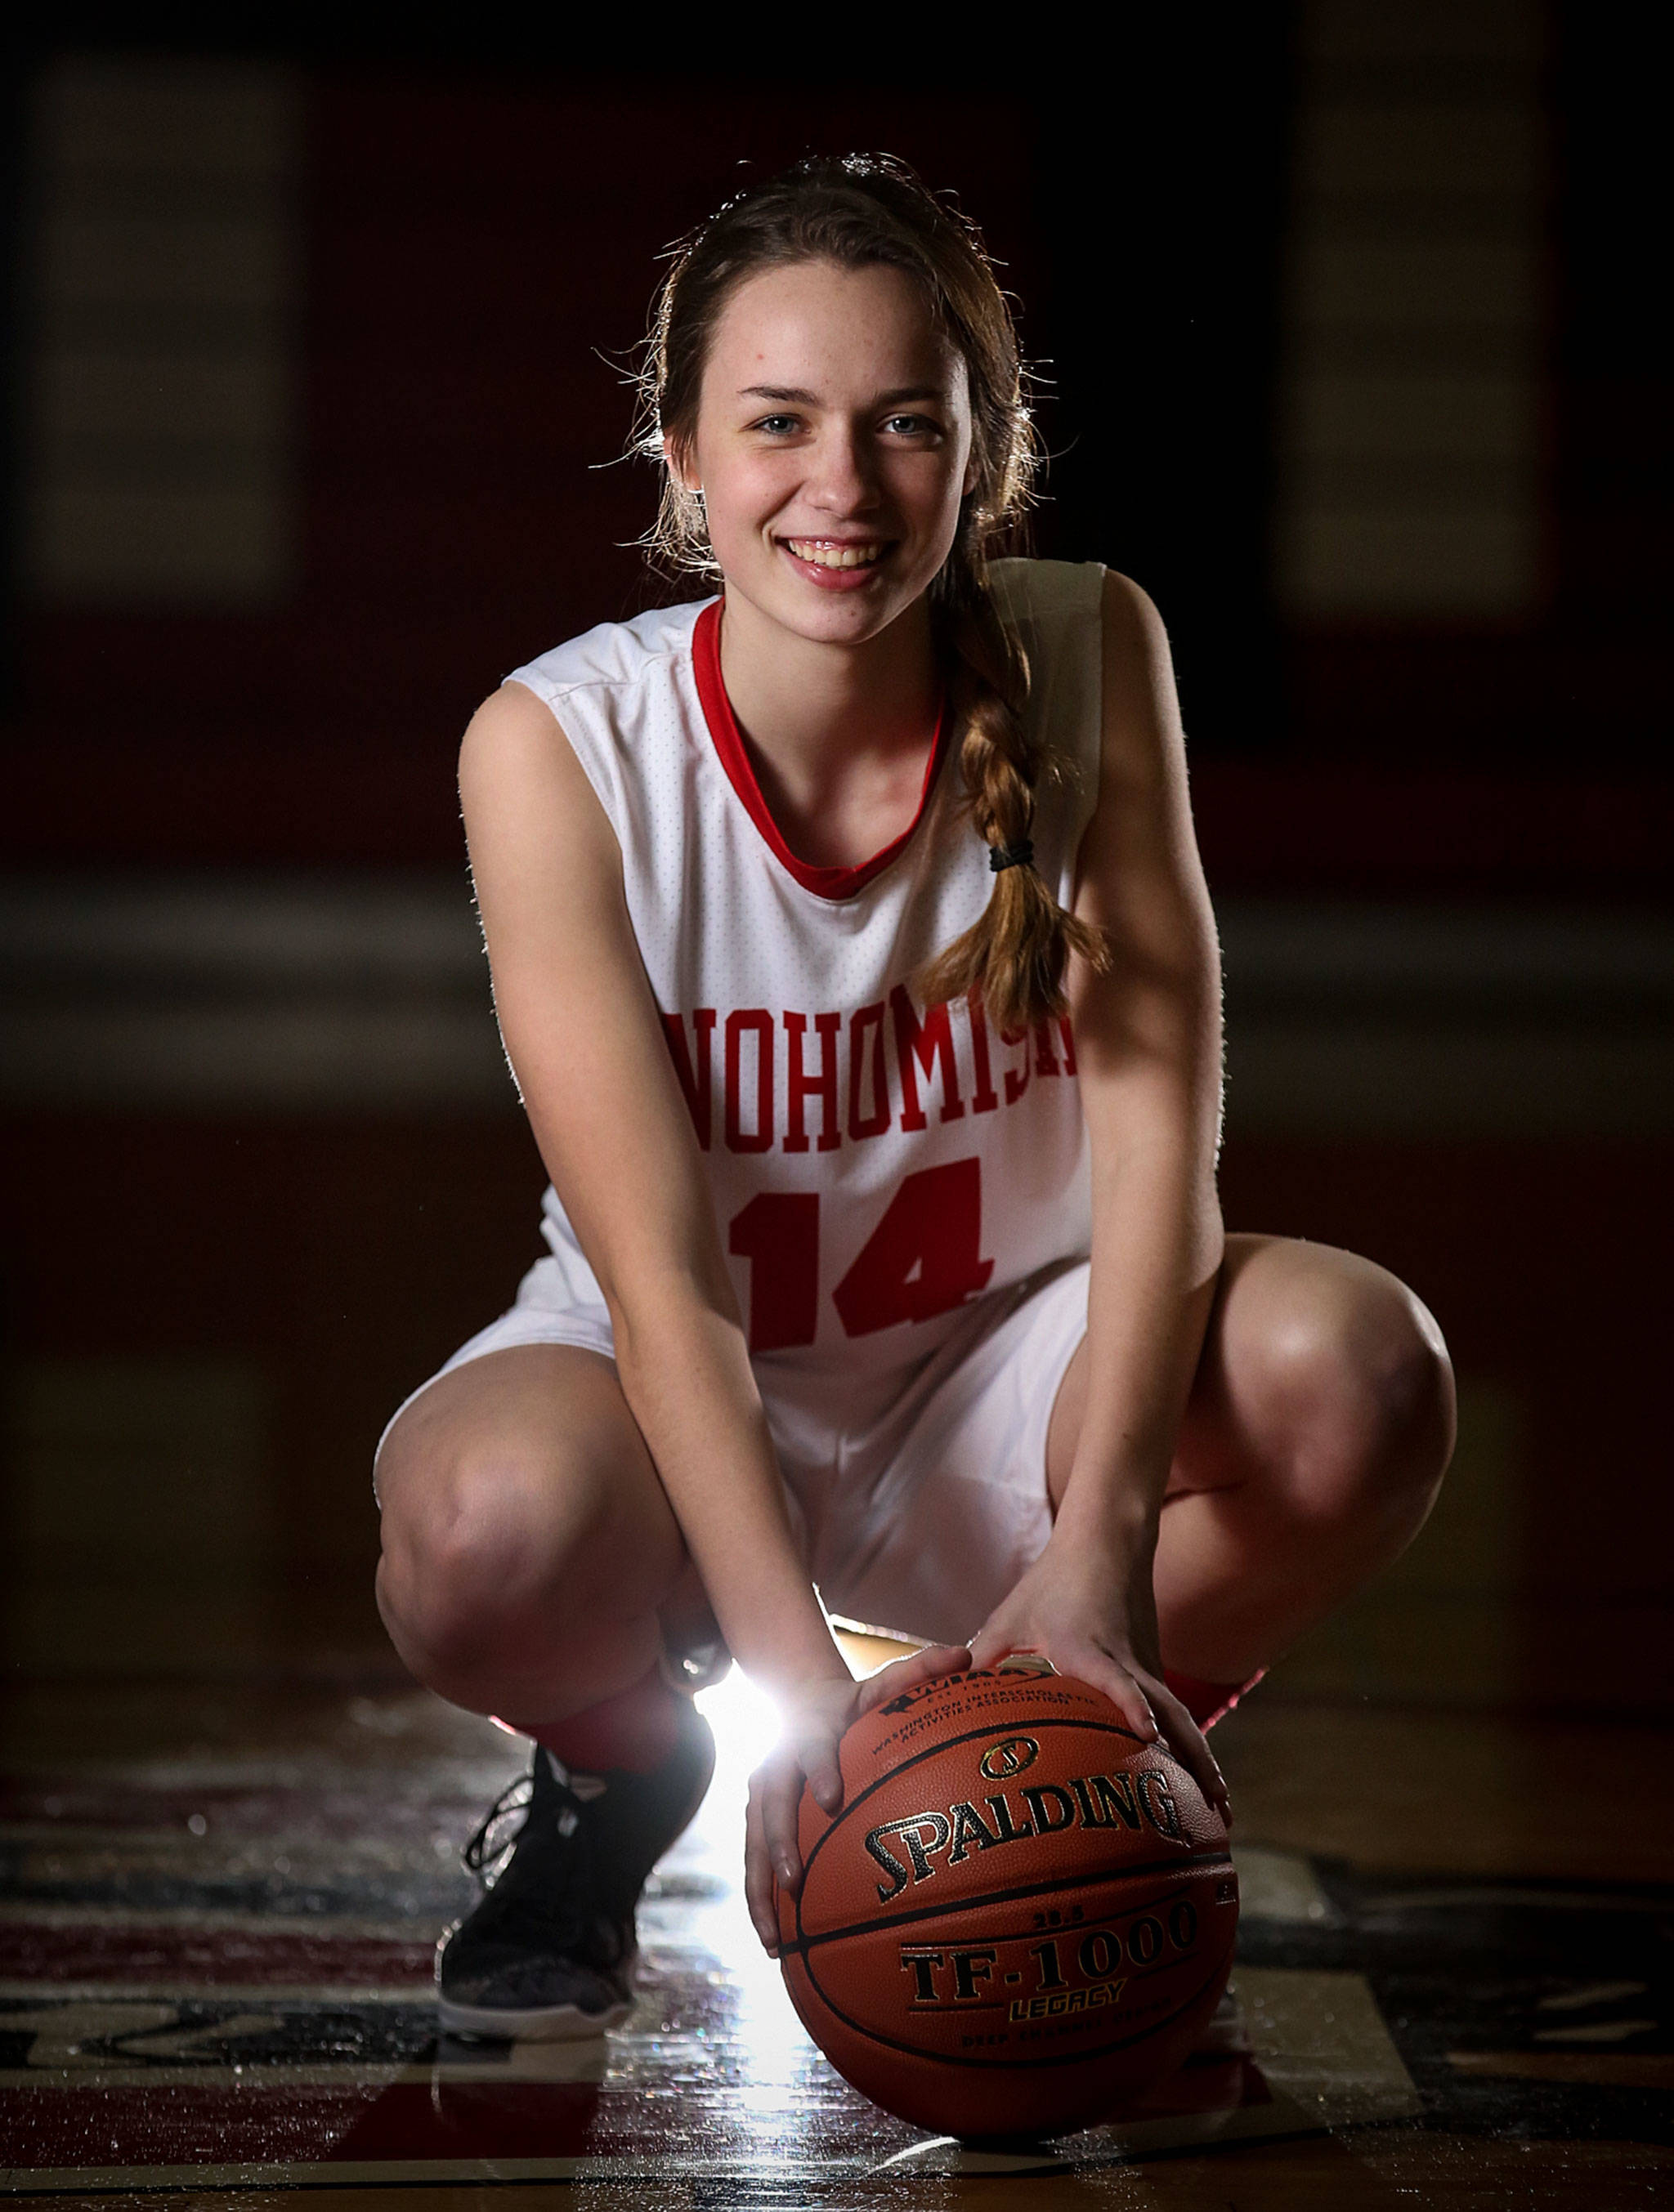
point(825, 883)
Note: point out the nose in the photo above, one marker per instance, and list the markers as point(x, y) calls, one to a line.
point(843, 480)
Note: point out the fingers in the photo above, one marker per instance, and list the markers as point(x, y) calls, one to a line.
point(939, 1659)
point(906, 1674)
point(1155, 1714)
point(812, 1744)
point(781, 1796)
point(772, 1857)
point(1187, 1741)
point(1125, 1687)
point(988, 1647)
point(772, 1852)
point(759, 1892)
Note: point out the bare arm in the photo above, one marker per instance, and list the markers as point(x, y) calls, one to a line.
point(1147, 1036)
point(1149, 1041)
point(584, 1038)
point(583, 1033)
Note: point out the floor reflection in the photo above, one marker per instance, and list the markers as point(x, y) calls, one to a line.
point(214, 1972)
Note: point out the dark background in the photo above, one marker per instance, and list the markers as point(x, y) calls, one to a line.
point(478, 226)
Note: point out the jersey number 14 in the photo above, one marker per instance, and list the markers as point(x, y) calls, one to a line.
point(924, 1257)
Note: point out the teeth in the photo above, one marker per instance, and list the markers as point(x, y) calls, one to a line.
point(833, 556)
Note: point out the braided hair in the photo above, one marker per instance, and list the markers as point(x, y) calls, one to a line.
point(865, 210)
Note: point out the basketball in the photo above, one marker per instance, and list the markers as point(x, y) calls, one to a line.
point(1021, 1916)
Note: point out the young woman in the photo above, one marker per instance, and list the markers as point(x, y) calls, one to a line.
point(852, 950)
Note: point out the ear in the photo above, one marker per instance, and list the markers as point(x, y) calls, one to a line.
point(679, 459)
point(970, 475)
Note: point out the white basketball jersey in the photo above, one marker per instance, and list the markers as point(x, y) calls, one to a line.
point(875, 1167)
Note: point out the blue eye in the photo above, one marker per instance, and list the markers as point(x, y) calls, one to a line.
point(911, 426)
point(777, 425)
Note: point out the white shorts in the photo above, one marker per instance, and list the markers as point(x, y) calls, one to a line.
point(919, 1512)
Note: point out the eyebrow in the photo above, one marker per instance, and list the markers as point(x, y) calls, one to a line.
point(794, 395)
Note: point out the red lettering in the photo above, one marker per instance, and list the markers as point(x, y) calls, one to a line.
point(1066, 1032)
point(924, 1043)
point(1046, 1060)
point(760, 1138)
point(1016, 1079)
point(874, 1123)
point(823, 1086)
point(696, 1086)
point(924, 1257)
point(986, 1098)
point(778, 1233)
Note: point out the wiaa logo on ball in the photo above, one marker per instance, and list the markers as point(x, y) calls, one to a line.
point(1034, 1664)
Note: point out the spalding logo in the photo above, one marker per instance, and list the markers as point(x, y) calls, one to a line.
point(1047, 1808)
point(1002, 1760)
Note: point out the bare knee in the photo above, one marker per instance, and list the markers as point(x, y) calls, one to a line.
point(501, 1550)
point(466, 1554)
point(1360, 1377)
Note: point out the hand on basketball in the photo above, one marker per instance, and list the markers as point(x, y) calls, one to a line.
point(1108, 1638)
point(814, 1725)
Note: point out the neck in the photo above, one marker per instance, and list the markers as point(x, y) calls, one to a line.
point(812, 713)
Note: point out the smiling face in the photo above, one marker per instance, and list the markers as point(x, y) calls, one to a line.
point(833, 447)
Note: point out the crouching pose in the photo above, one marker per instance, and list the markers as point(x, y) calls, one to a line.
point(852, 950)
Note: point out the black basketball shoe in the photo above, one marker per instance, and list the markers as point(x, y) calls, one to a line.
point(549, 1953)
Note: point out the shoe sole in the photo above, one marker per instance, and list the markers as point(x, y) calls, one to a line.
point(559, 2023)
point(553, 2023)
point(534, 2023)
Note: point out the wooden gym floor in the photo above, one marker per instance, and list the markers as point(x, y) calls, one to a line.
point(1457, 1961)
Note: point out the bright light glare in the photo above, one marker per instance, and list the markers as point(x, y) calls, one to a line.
point(773, 2054)
point(746, 1721)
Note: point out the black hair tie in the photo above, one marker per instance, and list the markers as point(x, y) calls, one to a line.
point(1011, 856)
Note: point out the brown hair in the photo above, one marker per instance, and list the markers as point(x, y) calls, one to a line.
point(859, 211)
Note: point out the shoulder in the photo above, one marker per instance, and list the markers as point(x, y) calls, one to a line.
point(1138, 674)
point(1047, 596)
point(609, 697)
point(611, 657)
point(1128, 615)
point(1057, 593)
point(531, 810)
point(1141, 878)
point(1143, 751)
point(517, 765)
